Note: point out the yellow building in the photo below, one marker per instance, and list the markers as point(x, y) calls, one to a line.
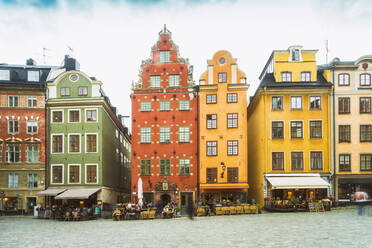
point(289, 129)
point(223, 137)
point(353, 125)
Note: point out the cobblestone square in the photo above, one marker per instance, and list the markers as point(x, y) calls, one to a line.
point(338, 228)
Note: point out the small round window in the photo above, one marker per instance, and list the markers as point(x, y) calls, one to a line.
point(222, 60)
point(74, 77)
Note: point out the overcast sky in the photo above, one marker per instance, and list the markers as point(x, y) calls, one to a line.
point(111, 38)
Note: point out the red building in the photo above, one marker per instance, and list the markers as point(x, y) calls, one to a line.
point(22, 136)
point(164, 127)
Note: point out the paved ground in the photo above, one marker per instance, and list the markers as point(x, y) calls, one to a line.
point(339, 228)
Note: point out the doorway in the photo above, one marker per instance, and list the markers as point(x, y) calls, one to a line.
point(165, 199)
point(186, 199)
point(31, 202)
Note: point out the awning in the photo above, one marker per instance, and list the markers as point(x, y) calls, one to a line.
point(224, 186)
point(51, 192)
point(303, 181)
point(77, 194)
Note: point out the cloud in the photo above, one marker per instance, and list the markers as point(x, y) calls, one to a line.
point(111, 38)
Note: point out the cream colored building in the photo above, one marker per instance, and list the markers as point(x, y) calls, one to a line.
point(352, 125)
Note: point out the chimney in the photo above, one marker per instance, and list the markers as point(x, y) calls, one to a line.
point(71, 64)
point(30, 61)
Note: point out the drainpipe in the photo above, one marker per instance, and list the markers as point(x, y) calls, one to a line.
point(334, 136)
point(197, 143)
point(47, 132)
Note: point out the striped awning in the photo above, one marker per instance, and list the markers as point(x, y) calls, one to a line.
point(77, 193)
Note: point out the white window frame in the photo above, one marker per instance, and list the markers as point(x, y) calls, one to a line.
point(182, 163)
point(142, 137)
point(5, 74)
point(174, 80)
point(68, 143)
point(145, 106)
point(271, 130)
point(38, 151)
point(68, 113)
point(290, 129)
point(303, 160)
point(165, 135)
point(68, 173)
point(184, 137)
point(86, 144)
point(86, 116)
point(211, 99)
point(286, 76)
point(232, 98)
point(27, 125)
point(155, 81)
point(31, 76)
point(233, 152)
point(63, 143)
point(321, 121)
point(63, 173)
point(271, 160)
point(164, 106)
point(310, 161)
point(32, 98)
point(320, 105)
point(86, 177)
point(305, 76)
point(13, 96)
point(13, 126)
point(13, 186)
point(164, 56)
point(296, 108)
point(182, 105)
point(63, 116)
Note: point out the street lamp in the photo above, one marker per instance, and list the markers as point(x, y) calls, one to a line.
point(223, 166)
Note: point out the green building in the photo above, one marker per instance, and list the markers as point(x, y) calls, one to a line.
point(88, 145)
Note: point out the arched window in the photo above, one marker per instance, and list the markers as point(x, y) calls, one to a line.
point(343, 79)
point(365, 79)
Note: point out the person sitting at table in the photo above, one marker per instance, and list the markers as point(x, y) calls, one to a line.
point(166, 211)
point(138, 210)
point(76, 214)
point(116, 214)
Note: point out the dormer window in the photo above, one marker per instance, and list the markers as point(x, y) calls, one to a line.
point(164, 56)
point(295, 54)
point(4, 75)
point(33, 76)
point(305, 76)
point(286, 76)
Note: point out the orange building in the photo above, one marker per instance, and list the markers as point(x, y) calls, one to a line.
point(223, 136)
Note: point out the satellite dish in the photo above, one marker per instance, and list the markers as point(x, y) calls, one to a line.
point(191, 95)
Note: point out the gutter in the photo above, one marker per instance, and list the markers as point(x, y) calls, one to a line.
point(334, 136)
point(197, 143)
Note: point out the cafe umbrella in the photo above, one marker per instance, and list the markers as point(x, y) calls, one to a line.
point(140, 192)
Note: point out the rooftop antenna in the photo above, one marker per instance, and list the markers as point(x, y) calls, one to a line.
point(326, 47)
point(44, 54)
point(70, 51)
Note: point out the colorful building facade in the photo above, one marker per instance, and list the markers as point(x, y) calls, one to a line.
point(352, 125)
point(289, 129)
point(89, 148)
point(164, 127)
point(223, 141)
point(22, 136)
